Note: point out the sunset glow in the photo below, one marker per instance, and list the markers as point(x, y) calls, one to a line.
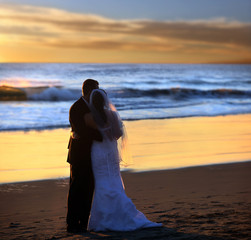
point(48, 34)
point(15, 83)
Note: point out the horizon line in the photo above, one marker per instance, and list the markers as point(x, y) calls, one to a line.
point(64, 62)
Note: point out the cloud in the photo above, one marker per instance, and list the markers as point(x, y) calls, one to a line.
point(200, 31)
point(113, 45)
point(59, 28)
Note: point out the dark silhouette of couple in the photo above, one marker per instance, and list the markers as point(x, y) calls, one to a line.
point(97, 200)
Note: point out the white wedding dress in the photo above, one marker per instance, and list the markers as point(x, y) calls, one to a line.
point(111, 209)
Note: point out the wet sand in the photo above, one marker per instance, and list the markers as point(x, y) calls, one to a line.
point(210, 202)
point(154, 145)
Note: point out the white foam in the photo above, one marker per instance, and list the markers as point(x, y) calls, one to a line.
point(55, 94)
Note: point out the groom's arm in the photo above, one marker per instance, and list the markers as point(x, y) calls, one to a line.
point(94, 134)
point(92, 127)
point(78, 124)
point(89, 121)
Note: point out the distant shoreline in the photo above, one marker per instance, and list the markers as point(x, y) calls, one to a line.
point(45, 128)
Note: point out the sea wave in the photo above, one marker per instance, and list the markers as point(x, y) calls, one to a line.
point(62, 94)
point(58, 93)
point(54, 94)
point(182, 93)
point(43, 93)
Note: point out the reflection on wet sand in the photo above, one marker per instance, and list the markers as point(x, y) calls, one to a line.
point(154, 144)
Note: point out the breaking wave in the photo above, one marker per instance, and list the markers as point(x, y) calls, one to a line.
point(64, 94)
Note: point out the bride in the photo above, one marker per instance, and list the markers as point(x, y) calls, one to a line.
point(111, 209)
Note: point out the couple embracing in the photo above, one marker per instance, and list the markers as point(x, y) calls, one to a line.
point(94, 159)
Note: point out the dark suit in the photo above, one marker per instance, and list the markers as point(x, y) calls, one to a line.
point(79, 156)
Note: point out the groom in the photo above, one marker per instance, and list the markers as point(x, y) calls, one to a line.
point(79, 157)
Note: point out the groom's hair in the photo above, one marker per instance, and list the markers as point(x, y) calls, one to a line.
point(89, 85)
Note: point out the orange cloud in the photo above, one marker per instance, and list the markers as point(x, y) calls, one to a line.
point(53, 28)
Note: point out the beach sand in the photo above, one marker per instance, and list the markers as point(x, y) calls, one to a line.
point(206, 202)
point(210, 202)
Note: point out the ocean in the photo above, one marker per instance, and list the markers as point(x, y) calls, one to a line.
point(139, 91)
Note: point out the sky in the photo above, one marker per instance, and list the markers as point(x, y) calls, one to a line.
point(132, 31)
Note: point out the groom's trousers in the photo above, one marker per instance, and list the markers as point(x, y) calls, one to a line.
point(80, 196)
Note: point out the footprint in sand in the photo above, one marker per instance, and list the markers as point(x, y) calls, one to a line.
point(14, 225)
point(160, 212)
point(48, 220)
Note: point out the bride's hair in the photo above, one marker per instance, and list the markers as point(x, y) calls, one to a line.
point(99, 104)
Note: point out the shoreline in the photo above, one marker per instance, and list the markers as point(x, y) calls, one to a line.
point(209, 202)
point(131, 171)
point(39, 129)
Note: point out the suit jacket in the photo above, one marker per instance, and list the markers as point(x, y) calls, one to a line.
point(80, 149)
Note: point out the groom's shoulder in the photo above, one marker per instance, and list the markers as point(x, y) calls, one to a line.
point(78, 104)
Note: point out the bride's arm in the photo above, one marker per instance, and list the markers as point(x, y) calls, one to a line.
point(89, 121)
